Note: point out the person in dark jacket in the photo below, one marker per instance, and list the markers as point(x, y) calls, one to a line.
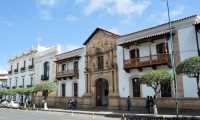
point(148, 104)
point(128, 103)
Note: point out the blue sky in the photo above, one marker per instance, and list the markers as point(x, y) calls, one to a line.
point(25, 23)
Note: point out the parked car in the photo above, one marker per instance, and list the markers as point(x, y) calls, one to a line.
point(13, 104)
point(4, 104)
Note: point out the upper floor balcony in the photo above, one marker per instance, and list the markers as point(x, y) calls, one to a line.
point(10, 72)
point(67, 67)
point(148, 61)
point(30, 67)
point(156, 44)
point(68, 74)
point(15, 71)
point(44, 77)
point(23, 69)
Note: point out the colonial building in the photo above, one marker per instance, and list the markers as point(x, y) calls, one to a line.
point(22, 69)
point(113, 64)
point(3, 79)
point(70, 73)
point(45, 68)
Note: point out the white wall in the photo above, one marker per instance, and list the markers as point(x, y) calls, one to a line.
point(80, 81)
point(188, 48)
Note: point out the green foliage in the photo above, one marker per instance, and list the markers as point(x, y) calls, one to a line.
point(189, 67)
point(11, 92)
point(154, 77)
point(45, 85)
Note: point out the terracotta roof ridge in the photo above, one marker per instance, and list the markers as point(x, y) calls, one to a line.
point(159, 25)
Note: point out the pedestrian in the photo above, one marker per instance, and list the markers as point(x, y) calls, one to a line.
point(128, 103)
point(72, 104)
point(148, 104)
point(75, 104)
point(43, 101)
point(151, 103)
point(69, 104)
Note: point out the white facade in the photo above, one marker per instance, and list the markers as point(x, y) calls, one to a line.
point(21, 68)
point(67, 82)
point(187, 48)
point(3, 79)
point(42, 59)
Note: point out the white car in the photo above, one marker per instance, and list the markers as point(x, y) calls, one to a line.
point(4, 104)
point(13, 104)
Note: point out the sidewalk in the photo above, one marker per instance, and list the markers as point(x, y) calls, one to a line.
point(119, 113)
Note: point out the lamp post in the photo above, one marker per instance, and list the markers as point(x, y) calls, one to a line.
point(173, 61)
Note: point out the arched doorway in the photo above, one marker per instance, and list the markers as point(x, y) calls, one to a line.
point(102, 89)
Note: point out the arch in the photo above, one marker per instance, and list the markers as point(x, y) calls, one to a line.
point(98, 77)
point(73, 89)
point(61, 83)
point(130, 85)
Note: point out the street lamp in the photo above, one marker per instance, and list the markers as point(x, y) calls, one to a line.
point(173, 61)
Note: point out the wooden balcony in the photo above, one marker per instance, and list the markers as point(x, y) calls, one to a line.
point(148, 61)
point(68, 74)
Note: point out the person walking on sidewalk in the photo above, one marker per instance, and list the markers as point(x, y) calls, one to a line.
point(128, 103)
point(148, 104)
point(151, 103)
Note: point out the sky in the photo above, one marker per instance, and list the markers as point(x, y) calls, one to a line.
point(27, 23)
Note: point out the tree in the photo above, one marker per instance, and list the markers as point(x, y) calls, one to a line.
point(46, 87)
point(154, 79)
point(11, 92)
point(191, 68)
point(34, 92)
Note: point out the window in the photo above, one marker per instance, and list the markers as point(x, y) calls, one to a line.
point(46, 71)
point(16, 83)
point(136, 87)
point(166, 89)
point(44, 93)
point(23, 82)
point(162, 48)
point(17, 65)
point(11, 67)
point(63, 67)
point(31, 81)
point(63, 90)
point(76, 65)
point(100, 62)
point(32, 61)
point(75, 90)
point(24, 63)
point(133, 55)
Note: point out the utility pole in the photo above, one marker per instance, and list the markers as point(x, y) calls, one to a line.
point(173, 61)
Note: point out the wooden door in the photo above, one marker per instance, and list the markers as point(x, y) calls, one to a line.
point(99, 92)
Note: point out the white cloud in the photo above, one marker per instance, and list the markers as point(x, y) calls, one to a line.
point(51, 3)
point(71, 47)
point(114, 30)
point(163, 17)
point(39, 39)
point(45, 14)
point(121, 7)
point(3, 21)
point(71, 18)
point(68, 47)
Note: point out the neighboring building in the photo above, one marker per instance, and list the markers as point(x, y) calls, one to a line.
point(70, 73)
point(3, 79)
point(45, 68)
point(22, 69)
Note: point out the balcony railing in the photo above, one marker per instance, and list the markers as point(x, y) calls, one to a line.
point(44, 77)
point(22, 69)
point(148, 61)
point(30, 67)
point(15, 71)
point(10, 72)
point(68, 73)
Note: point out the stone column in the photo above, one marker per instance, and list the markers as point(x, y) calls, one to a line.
point(114, 56)
point(115, 82)
point(111, 83)
point(86, 62)
point(89, 83)
point(86, 83)
point(111, 57)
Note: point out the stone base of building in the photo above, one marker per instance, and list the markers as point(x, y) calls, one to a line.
point(117, 103)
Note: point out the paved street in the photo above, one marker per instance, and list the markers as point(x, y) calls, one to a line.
point(14, 114)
